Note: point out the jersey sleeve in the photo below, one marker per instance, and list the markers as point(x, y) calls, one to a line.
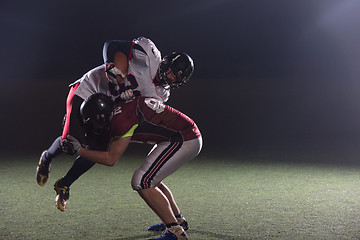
point(158, 119)
point(94, 81)
point(113, 46)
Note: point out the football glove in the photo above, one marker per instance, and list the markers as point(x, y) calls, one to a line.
point(111, 72)
point(70, 145)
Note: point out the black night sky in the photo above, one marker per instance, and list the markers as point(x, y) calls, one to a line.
point(270, 76)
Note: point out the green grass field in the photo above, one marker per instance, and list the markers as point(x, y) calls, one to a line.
point(235, 198)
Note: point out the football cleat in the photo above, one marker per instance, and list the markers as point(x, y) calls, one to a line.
point(182, 221)
point(62, 197)
point(157, 227)
point(162, 227)
point(173, 233)
point(42, 170)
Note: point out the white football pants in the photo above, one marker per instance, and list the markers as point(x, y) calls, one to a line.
point(164, 159)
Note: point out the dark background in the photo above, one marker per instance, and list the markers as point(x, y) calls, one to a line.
point(270, 77)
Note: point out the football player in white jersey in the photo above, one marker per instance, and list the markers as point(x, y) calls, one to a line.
point(130, 68)
point(143, 55)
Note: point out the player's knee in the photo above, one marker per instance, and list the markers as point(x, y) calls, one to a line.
point(135, 181)
point(139, 181)
point(136, 187)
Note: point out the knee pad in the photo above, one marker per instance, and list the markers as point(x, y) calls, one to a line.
point(136, 180)
point(139, 182)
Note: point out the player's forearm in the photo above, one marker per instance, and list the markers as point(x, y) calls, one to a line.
point(110, 158)
point(104, 158)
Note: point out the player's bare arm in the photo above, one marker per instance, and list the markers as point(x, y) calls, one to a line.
point(110, 158)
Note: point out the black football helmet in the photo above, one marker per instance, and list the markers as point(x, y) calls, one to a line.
point(96, 112)
point(180, 64)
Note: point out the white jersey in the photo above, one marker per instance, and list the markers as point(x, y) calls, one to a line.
point(143, 66)
point(141, 74)
point(94, 81)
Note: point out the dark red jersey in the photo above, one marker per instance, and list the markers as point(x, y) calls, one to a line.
point(154, 121)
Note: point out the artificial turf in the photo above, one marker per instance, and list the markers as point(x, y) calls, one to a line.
point(222, 198)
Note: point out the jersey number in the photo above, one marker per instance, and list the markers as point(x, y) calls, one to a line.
point(122, 88)
point(155, 105)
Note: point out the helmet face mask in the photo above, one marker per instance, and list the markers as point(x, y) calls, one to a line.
point(176, 69)
point(97, 125)
point(96, 112)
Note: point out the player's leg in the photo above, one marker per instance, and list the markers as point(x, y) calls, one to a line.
point(62, 186)
point(179, 217)
point(44, 165)
point(53, 151)
point(158, 202)
point(170, 196)
point(81, 165)
point(165, 159)
point(47, 156)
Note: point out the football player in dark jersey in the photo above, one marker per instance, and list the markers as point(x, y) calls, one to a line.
point(176, 140)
